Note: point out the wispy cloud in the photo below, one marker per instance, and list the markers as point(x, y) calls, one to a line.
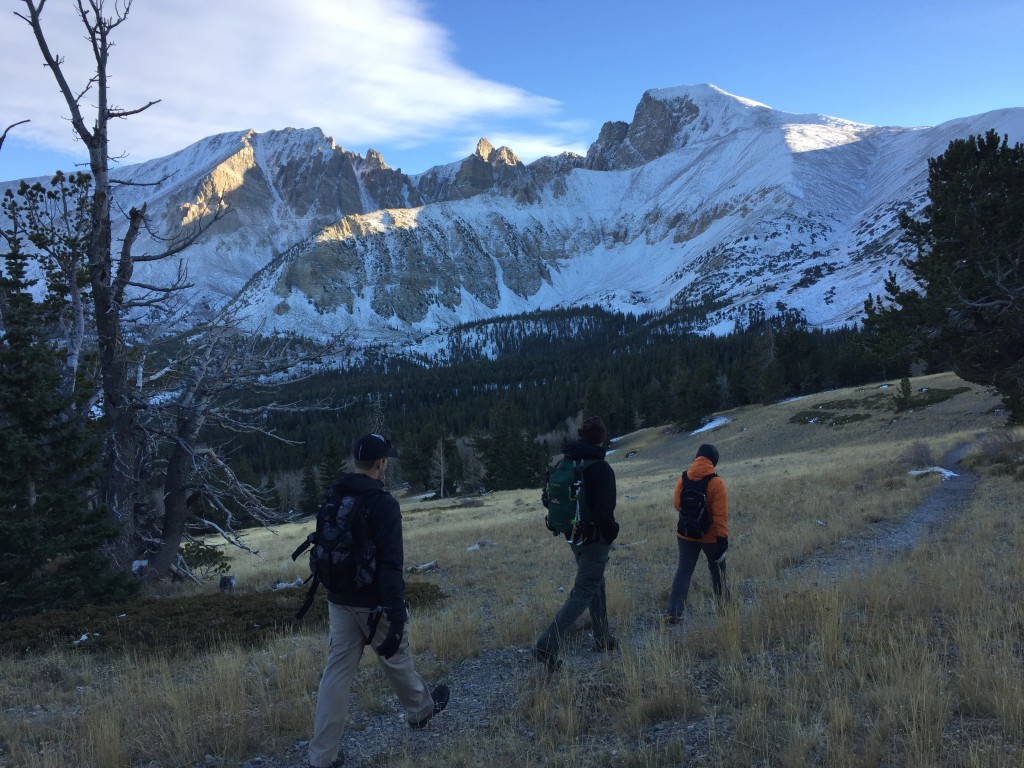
point(362, 70)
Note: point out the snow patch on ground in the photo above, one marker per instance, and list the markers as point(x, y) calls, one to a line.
point(946, 473)
point(713, 424)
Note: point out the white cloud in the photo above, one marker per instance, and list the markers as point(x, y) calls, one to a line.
point(362, 70)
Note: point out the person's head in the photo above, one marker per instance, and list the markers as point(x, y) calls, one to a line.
point(371, 453)
point(709, 452)
point(593, 431)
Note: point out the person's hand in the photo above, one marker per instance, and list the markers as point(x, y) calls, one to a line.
point(723, 546)
point(547, 524)
point(544, 499)
point(610, 531)
point(389, 647)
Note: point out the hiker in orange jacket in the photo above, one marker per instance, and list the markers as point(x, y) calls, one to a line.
point(713, 543)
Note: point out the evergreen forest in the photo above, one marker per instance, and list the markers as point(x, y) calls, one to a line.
point(543, 371)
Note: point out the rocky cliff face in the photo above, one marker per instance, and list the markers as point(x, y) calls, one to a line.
point(485, 170)
point(704, 198)
point(656, 130)
point(666, 120)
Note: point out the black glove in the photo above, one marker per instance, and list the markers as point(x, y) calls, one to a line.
point(547, 524)
point(610, 531)
point(722, 548)
point(389, 647)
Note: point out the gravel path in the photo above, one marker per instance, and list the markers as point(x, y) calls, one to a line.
point(485, 687)
point(886, 540)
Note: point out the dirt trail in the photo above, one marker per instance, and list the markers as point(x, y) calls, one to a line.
point(886, 540)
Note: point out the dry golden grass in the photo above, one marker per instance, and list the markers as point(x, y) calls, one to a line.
point(916, 662)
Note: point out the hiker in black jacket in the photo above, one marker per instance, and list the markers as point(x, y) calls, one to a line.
point(374, 615)
point(591, 553)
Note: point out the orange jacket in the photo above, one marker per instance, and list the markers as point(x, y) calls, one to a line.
point(718, 502)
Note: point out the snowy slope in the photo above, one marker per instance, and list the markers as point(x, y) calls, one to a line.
point(704, 198)
point(749, 207)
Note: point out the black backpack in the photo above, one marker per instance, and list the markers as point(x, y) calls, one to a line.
point(343, 556)
point(694, 518)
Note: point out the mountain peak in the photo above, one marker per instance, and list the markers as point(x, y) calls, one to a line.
point(667, 119)
point(484, 148)
point(375, 159)
point(705, 94)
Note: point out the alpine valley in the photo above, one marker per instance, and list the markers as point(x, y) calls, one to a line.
point(705, 201)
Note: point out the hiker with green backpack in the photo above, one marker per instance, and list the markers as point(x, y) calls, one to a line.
point(580, 499)
point(703, 526)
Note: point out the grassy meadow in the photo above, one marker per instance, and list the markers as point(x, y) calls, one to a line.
point(918, 661)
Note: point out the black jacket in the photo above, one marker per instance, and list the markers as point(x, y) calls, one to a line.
point(598, 485)
point(384, 521)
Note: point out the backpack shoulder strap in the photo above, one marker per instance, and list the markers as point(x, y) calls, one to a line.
point(687, 480)
point(707, 480)
point(701, 484)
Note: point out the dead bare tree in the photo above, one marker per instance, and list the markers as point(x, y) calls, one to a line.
point(160, 394)
point(113, 290)
point(439, 466)
point(214, 364)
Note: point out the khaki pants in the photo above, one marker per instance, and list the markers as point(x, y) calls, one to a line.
point(349, 630)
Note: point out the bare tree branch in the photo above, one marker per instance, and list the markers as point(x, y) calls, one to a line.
point(54, 63)
point(121, 113)
point(183, 239)
point(12, 125)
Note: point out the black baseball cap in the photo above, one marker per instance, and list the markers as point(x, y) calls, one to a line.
point(372, 447)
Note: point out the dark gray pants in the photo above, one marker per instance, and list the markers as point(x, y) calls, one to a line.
point(588, 592)
point(689, 553)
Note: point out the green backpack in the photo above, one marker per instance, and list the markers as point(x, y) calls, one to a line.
point(567, 503)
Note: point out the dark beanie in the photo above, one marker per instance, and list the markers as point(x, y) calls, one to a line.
point(709, 452)
point(593, 431)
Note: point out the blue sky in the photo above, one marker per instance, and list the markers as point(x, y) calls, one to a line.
point(422, 80)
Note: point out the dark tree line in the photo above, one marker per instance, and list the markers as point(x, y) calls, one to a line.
point(633, 371)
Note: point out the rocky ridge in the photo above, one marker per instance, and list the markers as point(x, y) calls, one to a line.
point(704, 198)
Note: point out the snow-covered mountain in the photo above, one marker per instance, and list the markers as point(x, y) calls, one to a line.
point(704, 198)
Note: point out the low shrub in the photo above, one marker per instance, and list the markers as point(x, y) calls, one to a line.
point(180, 625)
point(827, 418)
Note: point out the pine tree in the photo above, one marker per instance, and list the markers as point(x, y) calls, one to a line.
point(969, 311)
point(696, 394)
point(334, 459)
point(511, 457)
point(417, 454)
point(601, 397)
point(51, 530)
point(310, 501)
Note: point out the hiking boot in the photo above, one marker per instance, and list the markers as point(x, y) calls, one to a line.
point(609, 644)
point(549, 660)
point(440, 695)
point(336, 763)
point(669, 620)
